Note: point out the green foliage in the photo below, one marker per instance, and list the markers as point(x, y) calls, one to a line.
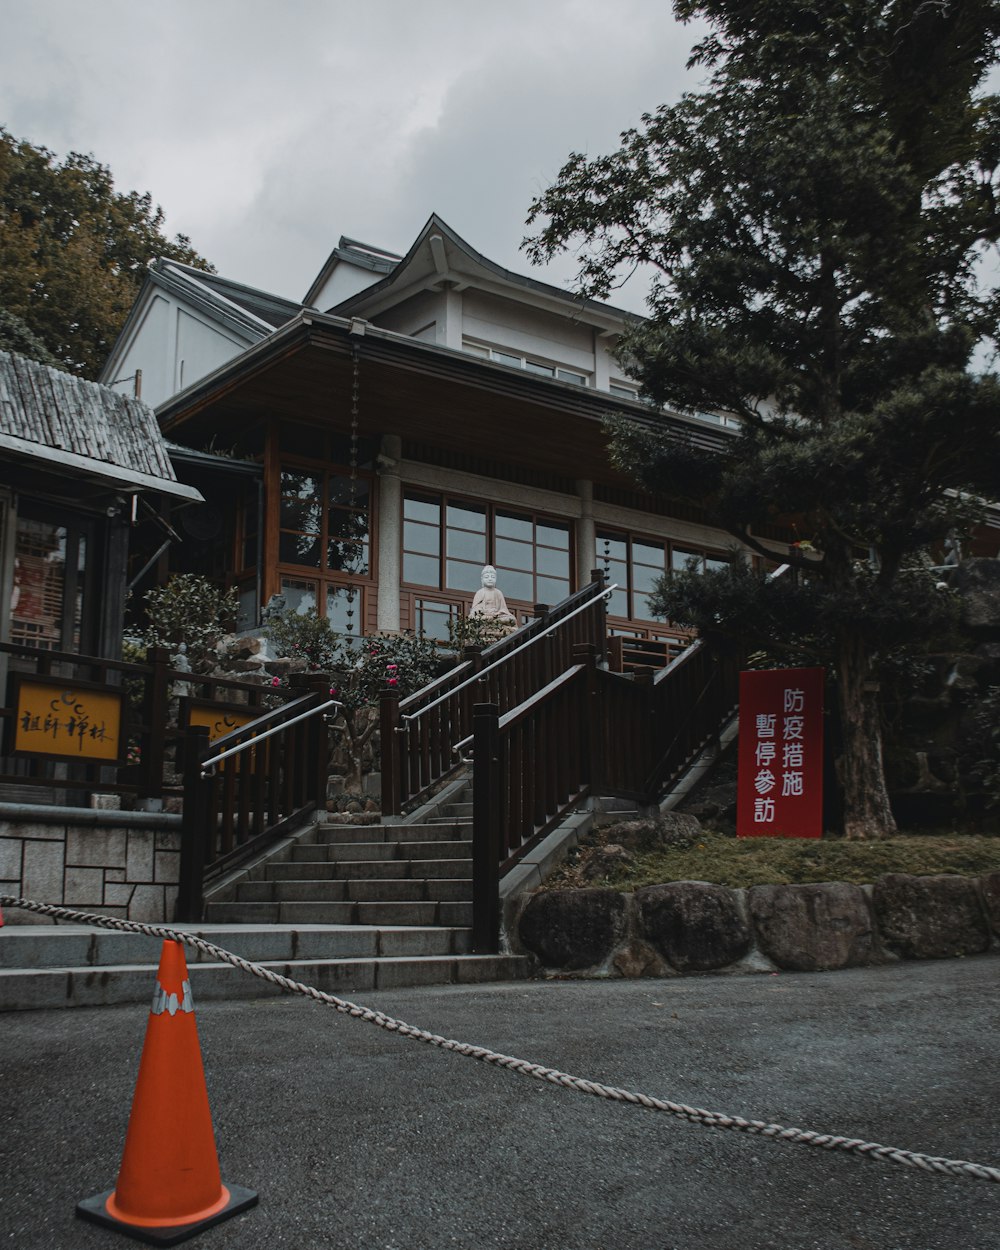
point(742, 862)
point(16, 336)
point(474, 631)
point(815, 222)
point(304, 636)
point(985, 746)
point(73, 251)
point(191, 610)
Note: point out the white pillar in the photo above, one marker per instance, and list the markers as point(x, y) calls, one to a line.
point(586, 533)
point(390, 513)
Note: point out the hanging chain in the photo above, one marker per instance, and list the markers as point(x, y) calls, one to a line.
point(353, 490)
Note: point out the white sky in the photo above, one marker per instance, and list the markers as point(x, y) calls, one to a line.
point(267, 130)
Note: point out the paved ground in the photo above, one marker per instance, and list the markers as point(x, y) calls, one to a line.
point(357, 1138)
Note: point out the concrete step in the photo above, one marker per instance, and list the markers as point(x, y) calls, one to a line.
point(317, 853)
point(415, 889)
point(456, 914)
point(27, 989)
point(441, 829)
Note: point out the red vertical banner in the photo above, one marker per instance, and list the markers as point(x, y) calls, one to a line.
point(780, 781)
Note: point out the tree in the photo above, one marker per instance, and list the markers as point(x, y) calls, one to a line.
point(816, 222)
point(73, 250)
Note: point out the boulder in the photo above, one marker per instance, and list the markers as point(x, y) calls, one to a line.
point(677, 829)
point(814, 927)
point(930, 917)
point(573, 929)
point(696, 926)
point(990, 886)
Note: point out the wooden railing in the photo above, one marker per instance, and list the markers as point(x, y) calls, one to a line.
point(153, 765)
point(420, 734)
point(236, 807)
point(589, 731)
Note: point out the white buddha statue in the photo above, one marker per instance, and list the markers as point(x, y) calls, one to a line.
point(489, 601)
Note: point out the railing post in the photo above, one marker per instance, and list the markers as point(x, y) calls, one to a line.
point(586, 653)
point(486, 830)
point(388, 712)
point(599, 632)
point(316, 737)
point(155, 711)
point(196, 828)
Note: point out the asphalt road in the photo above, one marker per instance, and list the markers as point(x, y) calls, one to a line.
point(358, 1138)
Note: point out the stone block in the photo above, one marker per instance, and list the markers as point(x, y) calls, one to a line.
point(117, 895)
point(990, 886)
point(114, 874)
point(106, 802)
point(812, 928)
point(696, 926)
point(139, 863)
point(167, 840)
point(166, 867)
point(10, 859)
point(37, 832)
point(147, 903)
point(42, 872)
point(95, 847)
point(930, 917)
point(573, 929)
point(84, 887)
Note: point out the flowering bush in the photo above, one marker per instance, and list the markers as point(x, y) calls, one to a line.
point(360, 667)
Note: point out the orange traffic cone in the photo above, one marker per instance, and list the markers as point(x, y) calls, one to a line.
point(169, 1187)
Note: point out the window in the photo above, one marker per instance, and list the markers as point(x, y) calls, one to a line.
point(324, 538)
point(637, 563)
point(447, 541)
point(623, 392)
point(516, 361)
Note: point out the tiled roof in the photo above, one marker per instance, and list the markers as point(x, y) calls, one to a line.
point(45, 413)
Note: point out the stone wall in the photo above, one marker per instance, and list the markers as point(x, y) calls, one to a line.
point(695, 927)
point(121, 864)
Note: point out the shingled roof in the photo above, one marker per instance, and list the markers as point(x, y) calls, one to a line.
point(68, 426)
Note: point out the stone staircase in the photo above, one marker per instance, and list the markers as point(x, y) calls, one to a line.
point(341, 907)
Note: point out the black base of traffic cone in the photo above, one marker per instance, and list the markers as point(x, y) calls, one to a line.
point(95, 1210)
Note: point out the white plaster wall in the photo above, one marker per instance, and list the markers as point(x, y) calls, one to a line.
point(345, 280)
point(200, 347)
point(412, 316)
point(151, 350)
point(532, 331)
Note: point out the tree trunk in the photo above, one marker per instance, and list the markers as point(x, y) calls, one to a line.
point(867, 814)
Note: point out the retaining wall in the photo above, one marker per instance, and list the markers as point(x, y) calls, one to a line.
point(695, 927)
point(121, 864)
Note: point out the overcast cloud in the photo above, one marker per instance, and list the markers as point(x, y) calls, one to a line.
point(267, 131)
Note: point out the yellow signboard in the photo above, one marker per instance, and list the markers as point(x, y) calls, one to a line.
point(220, 720)
point(68, 720)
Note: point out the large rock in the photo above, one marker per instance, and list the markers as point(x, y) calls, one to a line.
point(674, 829)
point(812, 928)
point(990, 886)
point(573, 929)
point(930, 917)
point(978, 583)
point(696, 926)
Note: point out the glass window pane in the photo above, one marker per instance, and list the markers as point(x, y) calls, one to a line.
point(512, 555)
point(505, 358)
point(300, 484)
point(432, 619)
point(553, 563)
point(679, 559)
point(422, 508)
point(343, 609)
point(300, 596)
point(425, 538)
point(609, 546)
point(347, 555)
point(463, 576)
point(300, 514)
point(338, 491)
point(516, 585)
point(467, 546)
point(551, 590)
point(643, 577)
point(552, 535)
point(713, 565)
point(649, 553)
point(299, 549)
point(567, 375)
point(642, 609)
point(618, 603)
point(509, 525)
point(467, 518)
point(475, 349)
point(421, 570)
point(532, 366)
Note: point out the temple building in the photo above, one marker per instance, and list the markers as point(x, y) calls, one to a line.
point(415, 418)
